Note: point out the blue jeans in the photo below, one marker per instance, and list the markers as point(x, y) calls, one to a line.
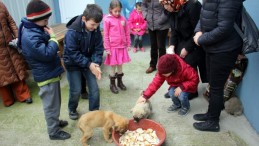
point(138, 41)
point(74, 80)
point(180, 101)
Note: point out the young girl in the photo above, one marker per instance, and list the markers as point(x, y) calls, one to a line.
point(138, 26)
point(116, 44)
point(182, 79)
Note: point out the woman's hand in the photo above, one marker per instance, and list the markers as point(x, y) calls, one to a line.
point(128, 48)
point(196, 37)
point(184, 53)
point(168, 8)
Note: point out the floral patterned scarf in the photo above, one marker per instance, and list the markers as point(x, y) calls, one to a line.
point(175, 4)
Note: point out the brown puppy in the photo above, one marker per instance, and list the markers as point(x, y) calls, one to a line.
point(106, 119)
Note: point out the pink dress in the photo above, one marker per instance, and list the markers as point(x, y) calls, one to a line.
point(116, 40)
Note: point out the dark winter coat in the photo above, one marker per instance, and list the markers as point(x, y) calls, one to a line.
point(39, 51)
point(12, 64)
point(217, 25)
point(185, 77)
point(79, 51)
point(154, 13)
point(183, 24)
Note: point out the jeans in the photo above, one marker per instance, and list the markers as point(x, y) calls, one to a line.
point(74, 80)
point(180, 101)
point(158, 42)
point(218, 66)
point(138, 41)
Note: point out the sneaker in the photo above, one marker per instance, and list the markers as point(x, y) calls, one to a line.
point(212, 126)
point(62, 123)
point(134, 50)
point(73, 115)
point(60, 135)
point(183, 111)
point(167, 95)
point(173, 108)
point(142, 49)
point(201, 117)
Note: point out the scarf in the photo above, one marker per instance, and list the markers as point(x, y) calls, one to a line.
point(175, 4)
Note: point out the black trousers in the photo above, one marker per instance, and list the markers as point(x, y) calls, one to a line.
point(219, 66)
point(158, 44)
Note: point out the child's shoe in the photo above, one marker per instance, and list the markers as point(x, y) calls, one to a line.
point(183, 111)
point(142, 49)
point(134, 50)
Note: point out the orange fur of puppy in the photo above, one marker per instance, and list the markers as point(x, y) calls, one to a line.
point(106, 119)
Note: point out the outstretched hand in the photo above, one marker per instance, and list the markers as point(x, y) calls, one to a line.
point(141, 99)
point(96, 70)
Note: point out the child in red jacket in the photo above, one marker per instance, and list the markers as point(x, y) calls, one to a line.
point(138, 26)
point(182, 79)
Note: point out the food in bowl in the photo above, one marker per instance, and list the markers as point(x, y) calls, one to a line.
point(139, 137)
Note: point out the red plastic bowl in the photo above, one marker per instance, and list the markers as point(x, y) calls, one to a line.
point(144, 124)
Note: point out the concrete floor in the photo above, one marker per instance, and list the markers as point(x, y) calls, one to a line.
point(24, 125)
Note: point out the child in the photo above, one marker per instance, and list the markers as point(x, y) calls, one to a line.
point(181, 77)
point(83, 52)
point(40, 47)
point(138, 26)
point(116, 44)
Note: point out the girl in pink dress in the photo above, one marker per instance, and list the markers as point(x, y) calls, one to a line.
point(116, 44)
point(138, 26)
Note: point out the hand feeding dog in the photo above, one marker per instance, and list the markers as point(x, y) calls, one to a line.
point(141, 110)
point(106, 119)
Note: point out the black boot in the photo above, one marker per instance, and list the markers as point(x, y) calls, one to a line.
point(212, 126)
point(201, 117)
point(113, 87)
point(120, 83)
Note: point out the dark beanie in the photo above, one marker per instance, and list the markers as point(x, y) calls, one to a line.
point(168, 63)
point(37, 10)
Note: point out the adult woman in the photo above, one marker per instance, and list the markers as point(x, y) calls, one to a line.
point(215, 32)
point(12, 65)
point(158, 26)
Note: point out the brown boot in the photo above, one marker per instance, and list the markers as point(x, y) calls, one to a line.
point(113, 87)
point(120, 83)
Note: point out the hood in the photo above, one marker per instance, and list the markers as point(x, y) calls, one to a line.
point(75, 23)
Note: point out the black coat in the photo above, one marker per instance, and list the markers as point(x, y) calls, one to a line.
point(217, 25)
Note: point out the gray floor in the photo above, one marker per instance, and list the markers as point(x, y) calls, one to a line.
point(24, 125)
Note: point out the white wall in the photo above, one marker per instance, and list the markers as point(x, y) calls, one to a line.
point(69, 8)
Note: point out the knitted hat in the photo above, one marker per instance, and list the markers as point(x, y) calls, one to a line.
point(37, 10)
point(168, 63)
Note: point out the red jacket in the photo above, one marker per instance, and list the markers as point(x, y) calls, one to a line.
point(186, 78)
